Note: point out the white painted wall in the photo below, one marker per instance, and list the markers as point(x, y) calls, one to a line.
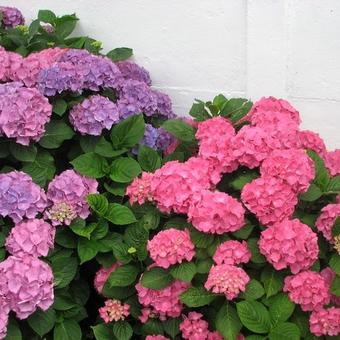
point(252, 48)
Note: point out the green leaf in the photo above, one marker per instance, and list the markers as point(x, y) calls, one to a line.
point(149, 158)
point(312, 194)
point(79, 227)
point(335, 287)
point(90, 164)
point(334, 263)
point(124, 170)
point(121, 252)
point(59, 106)
point(41, 169)
point(236, 108)
point(322, 177)
point(123, 276)
point(65, 25)
point(121, 53)
point(285, 330)
point(336, 228)
point(199, 112)
point(65, 238)
point(241, 180)
point(87, 250)
point(137, 237)
point(119, 214)
point(4, 148)
point(184, 271)
point(98, 203)
point(103, 332)
point(254, 316)
point(334, 184)
point(201, 240)
point(56, 132)
point(280, 309)
point(105, 148)
point(272, 281)
point(256, 256)
point(128, 133)
point(156, 278)
point(64, 270)
point(117, 189)
point(23, 153)
point(46, 15)
point(227, 322)
point(67, 330)
point(34, 28)
point(13, 330)
point(42, 321)
point(181, 130)
point(254, 290)
point(122, 330)
point(171, 326)
point(244, 232)
point(197, 297)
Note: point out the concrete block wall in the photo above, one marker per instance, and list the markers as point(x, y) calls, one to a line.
point(251, 48)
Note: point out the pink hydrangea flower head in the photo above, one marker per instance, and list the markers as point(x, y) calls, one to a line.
point(23, 114)
point(114, 310)
point(289, 243)
point(32, 237)
point(326, 220)
point(293, 166)
point(251, 146)
point(274, 107)
point(228, 280)
point(33, 64)
point(20, 197)
point(139, 191)
point(270, 199)
point(311, 140)
point(216, 213)
point(329, 275)
point(232, 252)
point(215, 137)
point(102, 275)
point(165, 302)
point(66, 196)
point(156, 337)
point(325, 322)
point(216, 336)
point(93, 115)
point(307, 289)
point(27, 283)
point(10, 62)
point(175, 185)
point(332, 162)
point(193, 327)
point(171, 246)
point(4, 312)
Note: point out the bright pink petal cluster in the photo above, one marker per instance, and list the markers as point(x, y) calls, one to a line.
point(27, 283)
point(140, 189)
point(156, 337)
point(171, 246)
point(10, 63)
point(23, 114)
point(332, 162)
point(216, 212)
point(232, 252)
point(175, 185)
point(289, 243)
point(216, 336)
point(270, 199)
point(228, 280)
point(165, 302)
point(194, 327)
point(114, 310)
point(19, 196)
point(311, 140)
point(329, 275)
point(31, 237)
point(93, 115)
point(215, 137)
point(326, 220)
point(293, 166)
point(307, 289)
point(102, 275)
point(325, 322)
point(67, 197)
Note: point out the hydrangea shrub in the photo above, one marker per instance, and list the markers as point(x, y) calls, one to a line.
point(120, 221)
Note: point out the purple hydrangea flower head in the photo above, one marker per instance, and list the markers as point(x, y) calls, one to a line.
point(164, 140)
point(31, 237)
point(93, 115)
point(27, 283)
point(164, 105)
point(23, 113)
point(11, 17)
point(20, 197)
point(66, 196)
point(133, 71)
point(150, 136)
